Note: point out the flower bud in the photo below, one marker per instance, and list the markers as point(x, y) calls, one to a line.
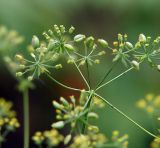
point(155, 42)
point(129, 45)
point(59, 124)
point(93, 128)
point(30, 78)
point(79, 37)
point(73, 99)
point(146, 45)
point(120, 37)
point(21, 66)
point(64, 101)
point(158, 67)
point(71, 30)
point(69, 47)
point(125, 37)
point(57, 105)
point(70, 61)
point(135, 64)
point(33, 55)
point(46, 35)
point(93, 115)
point(103, 43)
point(148, 39)
point(58, 66)
point(35, 42)
point(89, 42)
point(19, 74)
point(142, 38)
point(97, 61)
point(19, 57)
point(50, 32)
point(82, 62)
point(115, 43)
point(101, 53)
point(62, 28)
point(67, 139)
point(138, 45)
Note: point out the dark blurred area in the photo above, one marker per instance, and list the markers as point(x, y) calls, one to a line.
point(101, 18)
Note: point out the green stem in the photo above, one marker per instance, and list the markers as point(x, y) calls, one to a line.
point(114, 78)
point(127, 117)
point(26, 117)
point(88, 73)
point(63, 85)
point(106, 74)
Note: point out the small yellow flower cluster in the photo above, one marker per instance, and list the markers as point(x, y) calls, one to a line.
point(150, 104)
point(5, 108)
point(98, 102)
point(50, 138)
point(155, 143)
point(7, 116)
point(8, 120)
point(88, 141)
point(121, 141)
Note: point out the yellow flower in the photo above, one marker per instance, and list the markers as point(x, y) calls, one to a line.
point(150, 103)
point(141, 104)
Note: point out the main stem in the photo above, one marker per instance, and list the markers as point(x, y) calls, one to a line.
point(26, 117)
point(123, 114)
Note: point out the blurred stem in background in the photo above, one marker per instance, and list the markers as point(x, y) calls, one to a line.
point(24, 86)
point(26, 117)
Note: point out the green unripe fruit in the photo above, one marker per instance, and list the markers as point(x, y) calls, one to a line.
point(79, 37)
point(69, 47)
point(103, 43)
point(35, 42)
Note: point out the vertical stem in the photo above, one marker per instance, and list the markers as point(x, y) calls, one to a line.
point(26, 117)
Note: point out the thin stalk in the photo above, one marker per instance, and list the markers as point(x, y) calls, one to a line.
point(79, 70)
point(61, 84)
point(26, 117)
point(106, 74)
point(114, 78)
point(127, 117)
point(88, 73)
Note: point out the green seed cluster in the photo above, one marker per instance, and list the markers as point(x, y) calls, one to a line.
point(44, 54)
point(133, 54)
